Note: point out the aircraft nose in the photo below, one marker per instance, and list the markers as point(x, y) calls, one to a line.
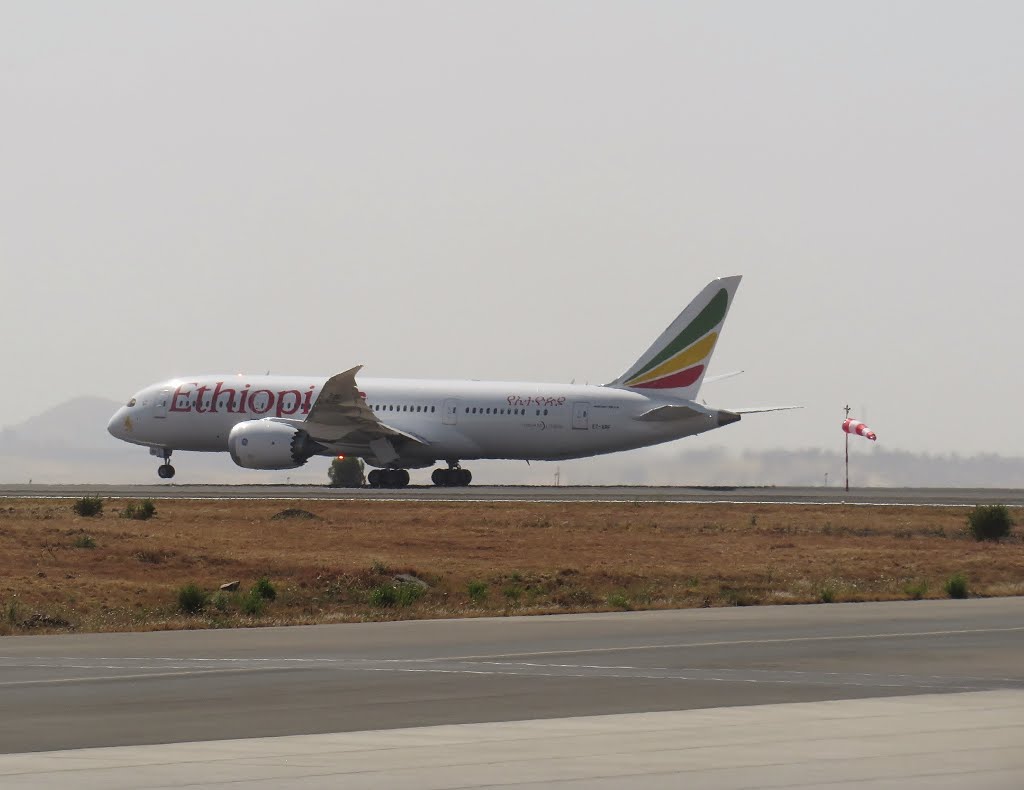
point(116, 425)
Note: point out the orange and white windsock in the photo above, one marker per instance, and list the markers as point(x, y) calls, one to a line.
point(859, 428)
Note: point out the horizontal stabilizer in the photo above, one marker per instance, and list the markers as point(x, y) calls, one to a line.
point(721, 376)
point(761, 409)
point(665, 413)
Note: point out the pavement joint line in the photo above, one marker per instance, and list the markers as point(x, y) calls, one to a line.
point(141, 676)
point(726, 643)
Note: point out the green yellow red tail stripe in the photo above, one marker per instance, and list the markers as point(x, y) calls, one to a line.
point(682, 361)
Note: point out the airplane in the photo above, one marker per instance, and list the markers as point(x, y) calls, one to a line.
point(280, 422)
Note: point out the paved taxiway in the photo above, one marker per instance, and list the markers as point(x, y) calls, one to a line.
point(859, 496)
point(95, 690)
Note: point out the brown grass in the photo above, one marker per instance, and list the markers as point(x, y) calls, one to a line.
point(530, 559)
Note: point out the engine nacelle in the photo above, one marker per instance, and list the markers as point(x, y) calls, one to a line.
point(266, 444)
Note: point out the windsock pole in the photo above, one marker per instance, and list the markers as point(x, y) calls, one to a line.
point(847, 409)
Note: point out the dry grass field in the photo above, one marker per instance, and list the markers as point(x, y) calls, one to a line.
point(60, 571)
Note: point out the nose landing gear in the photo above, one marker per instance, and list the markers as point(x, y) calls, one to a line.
point(165, 470)
point(454, 475)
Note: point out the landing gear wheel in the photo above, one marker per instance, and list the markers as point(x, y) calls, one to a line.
point(388, 478)
point(452, 476)
point(166, 471)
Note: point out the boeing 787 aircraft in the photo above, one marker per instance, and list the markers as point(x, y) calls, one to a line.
point(277, 422)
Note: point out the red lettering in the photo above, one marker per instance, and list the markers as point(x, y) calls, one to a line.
point(306, 405)
point(289, 406)
point(179, 394)
point(259, 404)
point(220, 390)
point(199, 398)
point(243, 406)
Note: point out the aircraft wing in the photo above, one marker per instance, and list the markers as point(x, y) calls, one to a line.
point(340, 415)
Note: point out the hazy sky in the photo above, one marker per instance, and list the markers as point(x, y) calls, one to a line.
point(523, 190)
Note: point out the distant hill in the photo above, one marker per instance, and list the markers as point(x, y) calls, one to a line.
point(70, 444)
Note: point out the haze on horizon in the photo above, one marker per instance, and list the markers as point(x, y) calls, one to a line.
point(524, 191)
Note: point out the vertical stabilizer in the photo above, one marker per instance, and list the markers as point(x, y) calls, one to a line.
point(675, 364)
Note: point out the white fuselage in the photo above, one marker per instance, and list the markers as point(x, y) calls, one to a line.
point(453, 419)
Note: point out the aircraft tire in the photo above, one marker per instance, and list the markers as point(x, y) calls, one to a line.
point(373, 478)
point(464, 477)
point(401, 478)
point(439, 477)
point(165, 471)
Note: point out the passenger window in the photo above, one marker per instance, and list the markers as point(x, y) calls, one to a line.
point(432, 409)
point(467, 410)
point(545, 412)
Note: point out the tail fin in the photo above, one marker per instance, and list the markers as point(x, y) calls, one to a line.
point(676, 362)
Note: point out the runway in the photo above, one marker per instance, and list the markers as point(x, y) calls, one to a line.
point(959, 497)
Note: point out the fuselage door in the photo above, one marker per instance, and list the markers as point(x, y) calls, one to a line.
point(160, 402)
point(580, 416)
point(451, 412)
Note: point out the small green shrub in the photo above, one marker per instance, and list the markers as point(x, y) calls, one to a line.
point(191, 599)
point(512, 594)
point(989, 522)
point(88, 506)
point(141, 511)
point(956, 586)
point(347, 472)
point(221, 601)
point(477, 591)
point(380, 567)
point(917, 590)
point(384, 596)
point(253, 603)
point(264, 589)
point(619, 601)
point(407, 594)
point(85, 542)
point(827, 594)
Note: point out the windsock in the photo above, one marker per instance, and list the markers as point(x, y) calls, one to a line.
point(859, 428)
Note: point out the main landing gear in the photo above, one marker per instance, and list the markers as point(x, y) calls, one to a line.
point(454, 475)
point(388, 478)
point(165, 470)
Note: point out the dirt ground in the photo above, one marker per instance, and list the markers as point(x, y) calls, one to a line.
point(60, 571)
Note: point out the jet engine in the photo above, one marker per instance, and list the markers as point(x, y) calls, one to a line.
point(266, 444)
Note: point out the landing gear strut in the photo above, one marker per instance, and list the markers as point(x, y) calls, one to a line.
point(165, 470)
point(454, 475)
point(388, 478)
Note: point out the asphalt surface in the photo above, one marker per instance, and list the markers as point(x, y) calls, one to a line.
point(89, 690)
point(859, 496)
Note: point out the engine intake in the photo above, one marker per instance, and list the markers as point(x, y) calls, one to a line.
point(267, 444)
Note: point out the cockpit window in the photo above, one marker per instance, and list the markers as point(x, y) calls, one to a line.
point(131, 403)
